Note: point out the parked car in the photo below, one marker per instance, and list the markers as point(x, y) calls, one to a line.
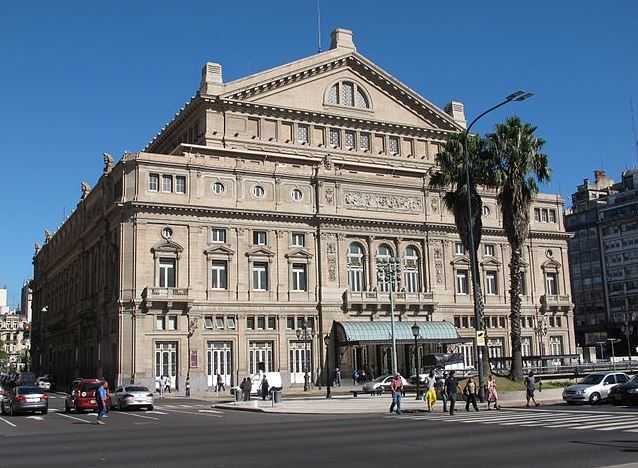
point(132, 396)
point(82, 396)
point(44, 383)
point(25, 378)
point(24, 398)
point(381, 384)
point(594, 388)
point(625, 394)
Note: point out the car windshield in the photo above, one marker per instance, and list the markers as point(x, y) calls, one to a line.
point(28, 390)
point(137, 389)
point(87, 387)
point(592, 379)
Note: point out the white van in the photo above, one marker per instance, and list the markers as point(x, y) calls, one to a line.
point(274, 381)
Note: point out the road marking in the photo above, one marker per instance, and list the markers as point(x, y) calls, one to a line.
point(139, 416)
point(185, 406)
point(208, 411)
point(8, 422)
point(73, 417)
point(192, 412)
point(156, 412)
point(619, 422)
point(37, 418)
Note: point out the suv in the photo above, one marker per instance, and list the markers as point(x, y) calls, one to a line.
point(594, 388)
point(82, 396)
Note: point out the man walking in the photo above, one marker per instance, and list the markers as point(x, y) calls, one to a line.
point(100, 397)
point(396, 387)
point(338, 377)
point(220, 383)
point(440, 390)
point(530, 384)
point(470, 393)
point(451, 388)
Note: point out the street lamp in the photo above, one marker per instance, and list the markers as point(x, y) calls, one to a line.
point(613, 354)
point(628, 329)
point(514, 97)
point(326, 340)
point(305, 334)
point(389, 271)
point(416, 332)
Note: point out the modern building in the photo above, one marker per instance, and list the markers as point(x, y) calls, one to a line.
point(268, 203)
point(604, 260)
point(26, 299)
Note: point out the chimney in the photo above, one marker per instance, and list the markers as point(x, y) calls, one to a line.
point(456, 110)
point(212, 82)
point(342, 38)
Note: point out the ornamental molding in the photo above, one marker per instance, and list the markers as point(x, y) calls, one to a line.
point(381, 201)
point(219, 250)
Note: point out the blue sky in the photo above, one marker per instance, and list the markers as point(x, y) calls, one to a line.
point(77, 80)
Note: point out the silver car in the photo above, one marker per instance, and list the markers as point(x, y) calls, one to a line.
point(594, 388)
point(132, 396)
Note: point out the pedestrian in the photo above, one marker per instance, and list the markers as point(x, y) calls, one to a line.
point(363, 377)
point(469, 392)
point(220, 383)
point(338, 377)
point(451, 389)
point(100, 399)
point(430, 392)
point(355, 377)
point(492, 394)
point(264, 388)
point(247, 389)
point(158, 385)
point(396, 387)
point(439, 386)
point(166, 384)
point(530, 386)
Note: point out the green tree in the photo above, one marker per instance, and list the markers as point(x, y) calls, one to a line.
point(449, 174)
point(518, 167)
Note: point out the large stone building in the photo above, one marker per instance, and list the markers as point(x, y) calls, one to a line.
point(603, 257)
point(267, 201)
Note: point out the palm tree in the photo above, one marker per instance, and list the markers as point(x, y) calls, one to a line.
point(449, 174)
point(519, 165)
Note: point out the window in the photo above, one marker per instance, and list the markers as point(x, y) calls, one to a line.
point(356, 268)
point(526, 346)
point(298, 239)
point(491, 283)
point(459, 249)
point(490, 250)
point(250, 323)
point(261, 322)
point(348, 141)
point(208, 321)
point(551, 283)
point(364, 142)
point(412, 282)
point(537, 215)
point(231, 323)
point(544, 215)
point(260, 276)
point(302, 134)
point(218, 235)
point(290, 323)
point(501, 322)
point(153, 182)
point(384, 253)
point(218, 188)
point(258, 191)
point(219, 274)
point(160, 322)
point(296, 195)
point(219, 322)
point(172, 322)
point(163, 322)
point(272, 322)
point(349, 94)
point(552, 216)
point(166, 272)
point(180, 184)
point(260, 237)
point(335, 137)
point(461, 282)
point(393, 146)
point(310, 323)
point(299, 280)
point(556, 345)
point(167, 183)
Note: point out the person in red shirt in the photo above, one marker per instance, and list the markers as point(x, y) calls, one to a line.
point(396, 387)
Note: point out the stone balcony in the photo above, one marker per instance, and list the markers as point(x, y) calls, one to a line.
point(167, 295)
point(556, 301)
point(371, 298)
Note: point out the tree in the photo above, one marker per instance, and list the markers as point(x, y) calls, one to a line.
point(450, 175)
point(518, 167)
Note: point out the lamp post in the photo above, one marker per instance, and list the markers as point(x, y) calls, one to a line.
point(389, 271)
point(613, 353)
point(192, 326)
point(416, 331)
point(628, 328)
point(516, 96)
point(326, 340)
point(305, 334)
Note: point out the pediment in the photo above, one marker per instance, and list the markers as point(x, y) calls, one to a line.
point(302, 85)
point(460, 260)
point(550, 264)
point(491, 262)
point(299, 253)
point(166, 245)
point(219, 250)
point(260, 251)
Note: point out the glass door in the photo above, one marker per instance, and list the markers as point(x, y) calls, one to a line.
point(260, 357)
point(299, 361)
point(166, 361)
point(219, 362)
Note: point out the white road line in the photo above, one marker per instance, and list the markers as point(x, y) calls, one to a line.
point(567, 420)
point(73, 417)
point(156, 412)
point(208, 411)
point(192, 412)
point(8, 422)
point(185, 406)
point(37, 418)
point(619, 422)
point(139, 416)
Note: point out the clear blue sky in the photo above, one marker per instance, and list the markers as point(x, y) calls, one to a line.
point(78, 80)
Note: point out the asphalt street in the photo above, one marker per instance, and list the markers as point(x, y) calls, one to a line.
point(188, 433)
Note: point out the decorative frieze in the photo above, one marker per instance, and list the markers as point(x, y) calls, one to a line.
point(382, 201)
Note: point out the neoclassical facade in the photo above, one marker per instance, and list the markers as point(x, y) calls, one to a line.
point(266, 203)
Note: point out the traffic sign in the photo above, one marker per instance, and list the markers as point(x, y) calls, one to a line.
point(480, 337)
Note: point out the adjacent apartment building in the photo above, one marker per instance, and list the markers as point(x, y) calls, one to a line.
point(266, 204)
point(603, 257)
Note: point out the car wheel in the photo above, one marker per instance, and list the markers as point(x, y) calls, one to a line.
point(66, 407)
point(11, 411)
point(594, 398)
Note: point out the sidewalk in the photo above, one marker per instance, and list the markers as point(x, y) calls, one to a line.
point(368, 404)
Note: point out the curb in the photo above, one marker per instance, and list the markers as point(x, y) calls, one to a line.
point(241, 408)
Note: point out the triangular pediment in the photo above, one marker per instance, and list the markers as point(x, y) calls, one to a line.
point(550, 264)
point(166, 245)
point(219, 250)
point(460, 260)
point(299, 253)
point(490, 262)
point(261, 251)
point(303, 85)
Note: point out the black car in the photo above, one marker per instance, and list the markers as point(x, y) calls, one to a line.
point(625, 394)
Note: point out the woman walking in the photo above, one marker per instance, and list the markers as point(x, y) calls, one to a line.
point(430, 392)
point(492, 394)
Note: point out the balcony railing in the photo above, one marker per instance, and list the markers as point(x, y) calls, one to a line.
point(165, 293)
point(555, 300)
point(380, 297)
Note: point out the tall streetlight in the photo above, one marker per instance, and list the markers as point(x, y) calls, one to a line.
point(416, 332)
point(613, 353)
point(514, 97)
point(305, 334)
point(628, 328)
point(389, 272)
point(326, 340)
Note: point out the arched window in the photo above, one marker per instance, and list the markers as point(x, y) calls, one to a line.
point(384, 253)
point(411, 270)
point(356, 268)
point(348, 94)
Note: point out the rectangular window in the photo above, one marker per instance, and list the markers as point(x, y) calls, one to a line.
point(166, 272)
point(290, 323)
point(261, 322)
point(231, 323)
point(537, 215)
point(153, 182)
point(172, 322)
point(167, 183)
point(310, 323)
point(302, 134)
point(219, 274)
point(260, 237)
point(552, 322)
point(160, 322)
point(364, 142)
point(459, 249)
point(457, 321)
point(551, 283)
point(490, 250)
point(299, 280)
point(218, 235)
point(393, 146)
point(349, 141)
point(491, 283)
point(298, 239)
point(501, 322)
point(461, 282)
point(335, 137)
point(260, 276)
point(552, 216)
point(250, 323)
point(272, 322)
point(180, 184)
point(208, 321)
point(544, 215)
point(219, 322)
point(559, 321)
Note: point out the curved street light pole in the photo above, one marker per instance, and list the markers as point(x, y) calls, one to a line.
point(478, 323)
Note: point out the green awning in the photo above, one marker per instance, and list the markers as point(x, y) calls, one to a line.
point(381, 332)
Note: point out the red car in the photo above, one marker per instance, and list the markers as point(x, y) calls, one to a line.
point(82, 396)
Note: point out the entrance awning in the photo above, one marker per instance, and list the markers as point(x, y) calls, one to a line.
point(349, 333)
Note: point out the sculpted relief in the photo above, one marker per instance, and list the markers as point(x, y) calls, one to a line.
point(382, 201)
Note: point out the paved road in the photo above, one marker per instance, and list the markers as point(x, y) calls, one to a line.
point(190, 434)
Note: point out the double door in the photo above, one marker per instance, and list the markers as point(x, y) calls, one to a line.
point(300, 362)
point(166, 362)
point(260, 357)
point(220, 361)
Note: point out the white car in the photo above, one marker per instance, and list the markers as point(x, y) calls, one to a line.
point(381, 384)
point(132, 396)
point(44, 384)
point(594, 388)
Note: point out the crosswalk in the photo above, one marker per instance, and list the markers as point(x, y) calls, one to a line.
point(576, 420)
